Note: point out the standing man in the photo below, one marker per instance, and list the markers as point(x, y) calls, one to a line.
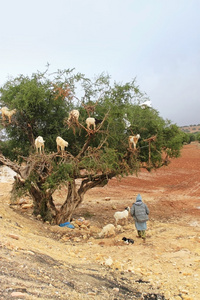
point(140, 212)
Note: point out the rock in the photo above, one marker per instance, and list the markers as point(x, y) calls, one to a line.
point(77, 239)
point(27, 206)
point(18, 295)
point(107, 198)
point(109, 262)
point(65, 238)
point(91, 293)
point(86, 223)
point(13, 236)
point(22, 201)
point(116, 290)
point(183, 291)
point(83, 226)
point(78, 222)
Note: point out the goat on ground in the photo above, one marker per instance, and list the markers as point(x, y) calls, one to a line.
point(122, 215)
point(61, 144)
point(7, 113)
point(132, 140)
point(39, 144)
point(107, 230)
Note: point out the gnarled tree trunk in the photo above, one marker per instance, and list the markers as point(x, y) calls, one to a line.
point(43, 203)
point(73, 199)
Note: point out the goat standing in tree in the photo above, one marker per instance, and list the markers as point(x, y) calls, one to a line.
point(7, 113)
point(132, 140)
point(61, 144)
point(39, 144)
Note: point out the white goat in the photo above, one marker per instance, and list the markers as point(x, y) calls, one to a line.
point(122, 215)
point(61, 144)
point(7, 113)
point(90, 122)
point(146, 104)
point(73, 116)
point(107, 230)
point(39, 144)
point(132, 140)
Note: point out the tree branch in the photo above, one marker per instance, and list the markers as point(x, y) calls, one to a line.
point(7, 162)
point(85, 146)
point(93, 181)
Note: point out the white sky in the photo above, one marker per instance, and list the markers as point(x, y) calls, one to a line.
point(156, 41)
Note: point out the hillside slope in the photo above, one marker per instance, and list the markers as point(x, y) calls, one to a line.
point(39, 261)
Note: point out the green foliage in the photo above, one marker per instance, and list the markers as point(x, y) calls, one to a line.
point(43, 102)
point(186, 138)
point(192, 137)
point(172, 140)
point(40, 111)
point(106, 161)
point(198, 137)
point(61, 173)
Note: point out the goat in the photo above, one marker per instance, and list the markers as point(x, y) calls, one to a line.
point(73, 116)
point(132, 140)
point(7, 113)
point(98, 121)
point(146, 104)
point(107, 230)
point(61, 144)
point(122, 215)
point(92, 122)
point(39, 144)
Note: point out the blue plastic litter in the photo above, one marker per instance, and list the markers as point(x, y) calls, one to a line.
point(64, 224)
point(67, 224)
point(70, 226)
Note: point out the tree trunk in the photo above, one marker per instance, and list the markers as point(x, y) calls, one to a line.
point(43, 204)
point(72, 201)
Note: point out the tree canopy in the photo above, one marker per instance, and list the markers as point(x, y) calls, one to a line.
point(43, 102)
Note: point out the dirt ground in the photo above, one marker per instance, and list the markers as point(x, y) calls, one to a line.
point(40, 261)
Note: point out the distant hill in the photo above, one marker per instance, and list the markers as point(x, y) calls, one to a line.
point(191, 128)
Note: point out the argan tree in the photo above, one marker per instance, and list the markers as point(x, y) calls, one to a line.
point(43, 102)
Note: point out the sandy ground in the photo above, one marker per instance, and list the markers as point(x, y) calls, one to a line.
point(40, 261)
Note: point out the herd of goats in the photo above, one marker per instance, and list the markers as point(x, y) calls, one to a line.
point(61, 143)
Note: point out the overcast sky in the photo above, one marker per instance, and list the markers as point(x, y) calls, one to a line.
point(155, 41)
